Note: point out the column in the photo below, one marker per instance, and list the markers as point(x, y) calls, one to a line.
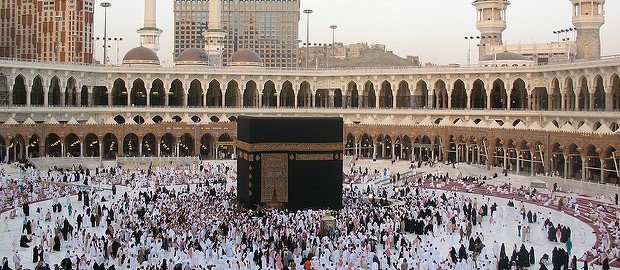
point(278, 98)
point(139, 147)
point(81, 149)
point(394, 98)
point(223, 98)
point(184, 97)
point(374, 151)
point(518, 163)
point(563, 101)
point(360, 101)
point(449, 99)
point(28, 97)
point(466, 153)
point(357, 150)
point(591, 101)
point(296, 92)
point(110, 95)
point(583, 169)
point(312, 99)
point(505, 159)
point(260, 98)
point(377, 98)
point(603, 179)
point(78, 98)
point(45, 95)
point(532, 166)
point(331, 98)
point(6, 157)
point(63, 93)
point(565, 168)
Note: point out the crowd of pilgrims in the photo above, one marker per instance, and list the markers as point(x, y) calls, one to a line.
point(189, 219)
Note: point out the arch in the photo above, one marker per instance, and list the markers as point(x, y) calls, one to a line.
point(53, 145)
point(555, 99)
point(269, 96)
point(321, 98)
point(386, 97)
point(176, 93)
point(350, 145)
point(571, 97)
point(73, 145)
point(17, 148)
point(369, 99)
point(574, 162)
point(53, 95)
point(157, 93)
point(138, 119)
point(598, 102)
point(91, 145)
point(440, 95)
point(37, 93)
point(592, 163)
point(177, 119)
point(250, 95)
point(119, 119)
point(583, 98)
point(403, 98)
point(366, 146)
point(3, 145)
point(157, 119)
point(287, 95)
point(232, 94)
point(195, 95)
point(518, 95)
point(110, 146)
point(100, 96)
point(338, 98)
point(138, 93)
point(353, 95)
point(19, 91)
point(478, 95)
point(33, 146)
point(131, 145)
point(119, 93)
point(304, 97)
point(84, 99)
point(196, 119)
point(615, 92)
point(608, 166)
point(232, 119)
point(214, 94)
point(459, 95)
point(71, 93)
point(206, 146)
point(167, 145)
point(498, 96)
point(186, 145)
point(420, 95)
point(149, 145)
point(225, 148)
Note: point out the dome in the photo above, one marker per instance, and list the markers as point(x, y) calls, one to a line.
point(141, 55)
point(245, 58)
point(506, 56)
point(506, 59)
point(192, 56)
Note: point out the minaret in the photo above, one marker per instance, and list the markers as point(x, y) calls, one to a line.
point(588, 17)
point(491, 22)
point(149, 34)
point(214, 36)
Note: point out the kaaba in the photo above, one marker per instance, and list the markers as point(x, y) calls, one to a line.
point(292, 162)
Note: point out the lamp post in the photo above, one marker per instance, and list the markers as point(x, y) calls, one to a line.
point(333, 27)
point(58, 19)
point(105, 6)
point(469, 39)
point(308, 12)
point(117, 50)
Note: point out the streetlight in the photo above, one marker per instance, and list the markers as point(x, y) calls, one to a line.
point(307, 12)
point(333, 27)
point(469, 39)
point(117, 50)
point(58, 18)
point(105, 6)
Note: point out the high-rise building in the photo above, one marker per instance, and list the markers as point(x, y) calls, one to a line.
point(56, 30)
point(269, 28)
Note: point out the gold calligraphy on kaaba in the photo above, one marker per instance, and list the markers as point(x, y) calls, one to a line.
point(290, 147)
point(274, 177)
point(306, 157)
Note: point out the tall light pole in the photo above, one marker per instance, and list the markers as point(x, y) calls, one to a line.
point(58, 19)
point(333, 28)
point(308, 12)
point(105, 6)
point(117, 50)
point(469, 39)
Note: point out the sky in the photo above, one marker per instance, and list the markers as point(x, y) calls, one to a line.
point(434, 30)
